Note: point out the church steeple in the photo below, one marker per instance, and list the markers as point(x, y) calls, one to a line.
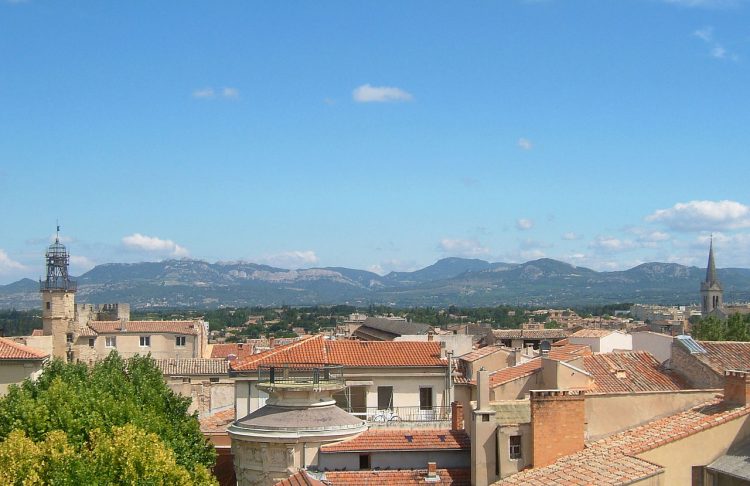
point(711, 268)
point(712, 294)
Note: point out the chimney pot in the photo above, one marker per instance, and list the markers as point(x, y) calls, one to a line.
point(737, 387)
point(432, 469)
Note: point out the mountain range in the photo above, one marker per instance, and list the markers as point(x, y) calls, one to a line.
point(458, 281)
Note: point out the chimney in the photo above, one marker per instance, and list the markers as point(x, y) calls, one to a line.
point(483, 389)
point(443, 350)
point(270, 342)
point(430, 336)
point(457, 416)
point(737, 387)
point(431, 470)
point(557, 425)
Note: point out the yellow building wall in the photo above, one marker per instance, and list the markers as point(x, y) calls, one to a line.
point(699, 449)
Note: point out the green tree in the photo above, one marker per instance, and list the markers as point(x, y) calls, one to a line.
point(710, 329)
point(123, 456)
point(77, 400)
point(736, 328)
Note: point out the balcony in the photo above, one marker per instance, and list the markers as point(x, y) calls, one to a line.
point(301, 376)
point(58, 284)
point(395, 416)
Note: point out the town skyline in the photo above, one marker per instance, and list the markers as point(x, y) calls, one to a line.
point(313, 136)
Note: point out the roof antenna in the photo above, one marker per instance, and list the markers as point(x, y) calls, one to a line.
point(57, 235)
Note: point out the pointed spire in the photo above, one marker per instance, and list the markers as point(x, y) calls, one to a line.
point(711, 268)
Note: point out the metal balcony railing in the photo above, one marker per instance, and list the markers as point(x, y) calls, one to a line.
point(401, 414)
point(58, 284)
point(301, 374)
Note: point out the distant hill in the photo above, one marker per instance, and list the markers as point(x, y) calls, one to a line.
point(459, 281)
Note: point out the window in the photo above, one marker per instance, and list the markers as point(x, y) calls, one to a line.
point(186, 379)
point(145, 341)
point(214, 379)
point(385, 398)
point(425, 398)
point(49, 305)
point(515, 447)
point(69, 337)
point(364, 461)
point(91, 342)
point(110, 341)
point(180, 341)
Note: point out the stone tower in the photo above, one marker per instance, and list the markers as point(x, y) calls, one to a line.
point(300, 415)
point(712, 294)
point(58, 298)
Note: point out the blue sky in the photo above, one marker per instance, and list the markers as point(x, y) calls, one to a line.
point(375, 135)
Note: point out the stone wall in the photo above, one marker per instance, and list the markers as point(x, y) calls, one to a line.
point(693, 370)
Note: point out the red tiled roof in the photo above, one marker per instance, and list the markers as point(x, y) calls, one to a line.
point(530, 333)
point(174, 327)
point(405, 477)
point(13, 350)
point(300, 478)
point(403, 440)
point(240, 350)
point(86, 332)
point(192, 366)
point(506, 375)
point(371, 354)
point(611, 460)
point(561, 353)
point(37, 332)
point(217, 422)
point(629, 372)
point(481, 353)
point(592, 333)
point(725, 355)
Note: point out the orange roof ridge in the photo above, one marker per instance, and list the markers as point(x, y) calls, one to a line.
point(12, 350)
point(242, 363)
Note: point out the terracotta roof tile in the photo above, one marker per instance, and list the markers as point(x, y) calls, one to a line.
point(530, 333)
point(407, 477)
point(86, 331)
point(13, 350)
point(630, 372)
point(300, 478)
point(611, 461)
point(592, 333)
point(561, 353)
point(725, 355)
point(217, 422)
point(240, 350)
point(316, 349)
point(192, 366)
point(403, 440)
point(174, 327)
point(481, 353)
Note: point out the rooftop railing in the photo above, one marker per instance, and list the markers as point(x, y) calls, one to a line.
point(301, 374)
point(58, 284)
point(394, 415)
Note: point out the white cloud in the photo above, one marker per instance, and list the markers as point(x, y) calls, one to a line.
point(379, 94)
point(230, 93)
point(292, 259)
point(532, 254)
point(703, 216)
point(570, 236)
point(153, 244)
point(525, 143)
point(204, 93)
point(524, 224)
point(8, 265)
point(82, 263)
point(612, 244)
point(469, 248)
point(209, 93)
point(706, 34)
point(716, 50)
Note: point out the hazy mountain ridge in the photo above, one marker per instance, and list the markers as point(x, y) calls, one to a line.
point(471, 282)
